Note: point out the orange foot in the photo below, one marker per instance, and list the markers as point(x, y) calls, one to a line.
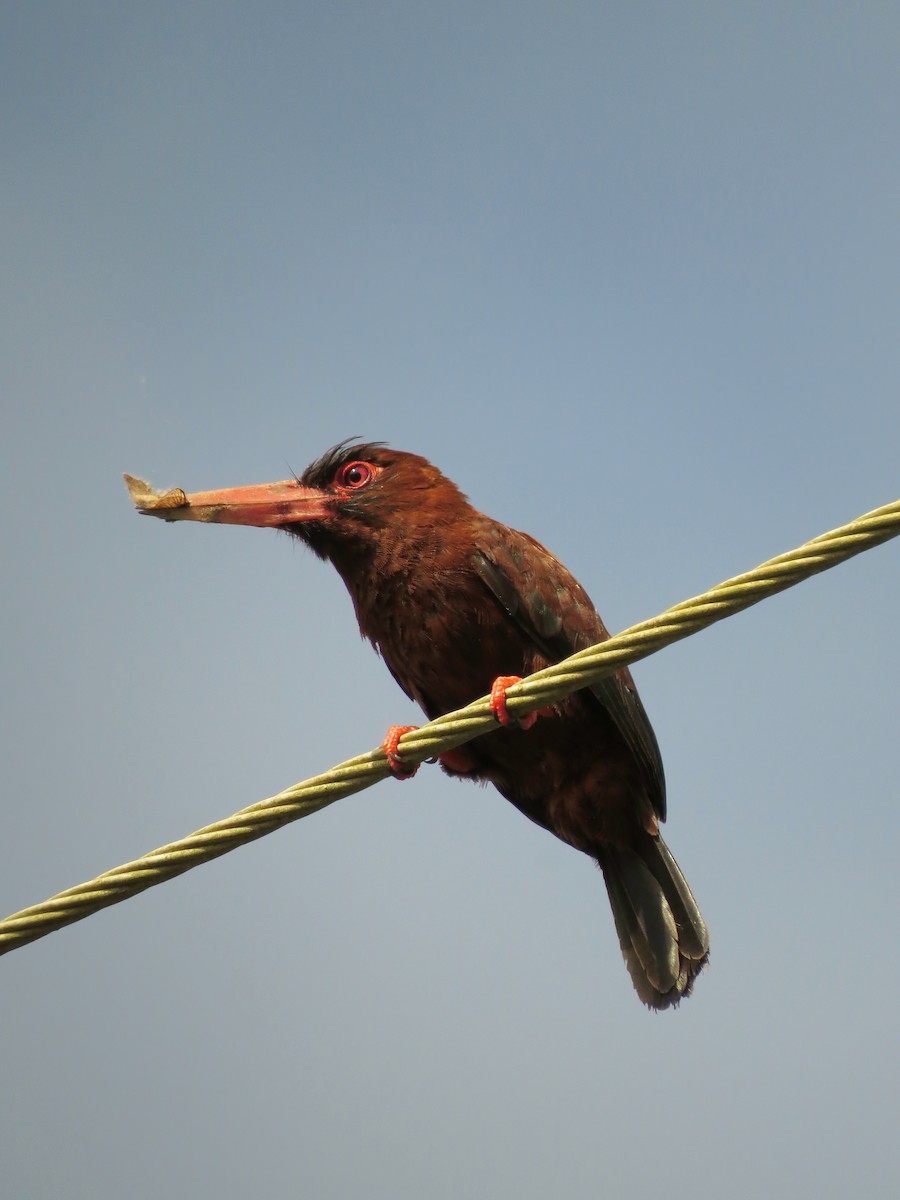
point(498, 703)
point(389, 746)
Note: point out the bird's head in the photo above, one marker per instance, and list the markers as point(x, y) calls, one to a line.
point(357, 496)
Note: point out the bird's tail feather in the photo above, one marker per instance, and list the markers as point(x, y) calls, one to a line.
point(663, 936)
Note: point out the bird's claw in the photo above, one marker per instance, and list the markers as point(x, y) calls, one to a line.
point(389, 746)
point(498, 703)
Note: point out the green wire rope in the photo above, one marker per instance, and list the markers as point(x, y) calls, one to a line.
point(539, 689)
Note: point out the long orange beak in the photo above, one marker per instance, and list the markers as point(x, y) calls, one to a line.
point(262, 504)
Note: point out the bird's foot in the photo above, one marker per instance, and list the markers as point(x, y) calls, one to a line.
point(498, 703)
point(389, 746)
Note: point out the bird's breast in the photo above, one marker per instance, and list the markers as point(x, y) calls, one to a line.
point(443, 636)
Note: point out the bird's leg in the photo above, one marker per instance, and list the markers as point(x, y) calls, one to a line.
point(498, 703)
point(389, 746)
point(457, 762)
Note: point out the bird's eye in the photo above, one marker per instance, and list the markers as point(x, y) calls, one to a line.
point(356, 475)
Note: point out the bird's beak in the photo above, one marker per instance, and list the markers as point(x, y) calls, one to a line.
point(262, 504)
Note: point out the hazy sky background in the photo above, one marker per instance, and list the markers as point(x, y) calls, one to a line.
point(629, 274)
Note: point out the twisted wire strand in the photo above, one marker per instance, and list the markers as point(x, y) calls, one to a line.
point(553, 683)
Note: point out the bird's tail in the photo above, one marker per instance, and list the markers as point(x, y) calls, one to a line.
point(664, 938)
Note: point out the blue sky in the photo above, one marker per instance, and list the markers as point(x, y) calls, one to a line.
point(629, 274)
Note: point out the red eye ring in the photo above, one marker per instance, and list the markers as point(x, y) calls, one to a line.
point(356, 474)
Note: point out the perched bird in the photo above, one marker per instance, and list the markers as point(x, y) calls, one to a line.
point(454, 601)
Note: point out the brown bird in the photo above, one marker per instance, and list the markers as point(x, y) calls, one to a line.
point(454, 601)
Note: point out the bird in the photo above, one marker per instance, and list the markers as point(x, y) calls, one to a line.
point(457, 605)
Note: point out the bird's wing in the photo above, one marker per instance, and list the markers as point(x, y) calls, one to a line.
point(554, 611)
